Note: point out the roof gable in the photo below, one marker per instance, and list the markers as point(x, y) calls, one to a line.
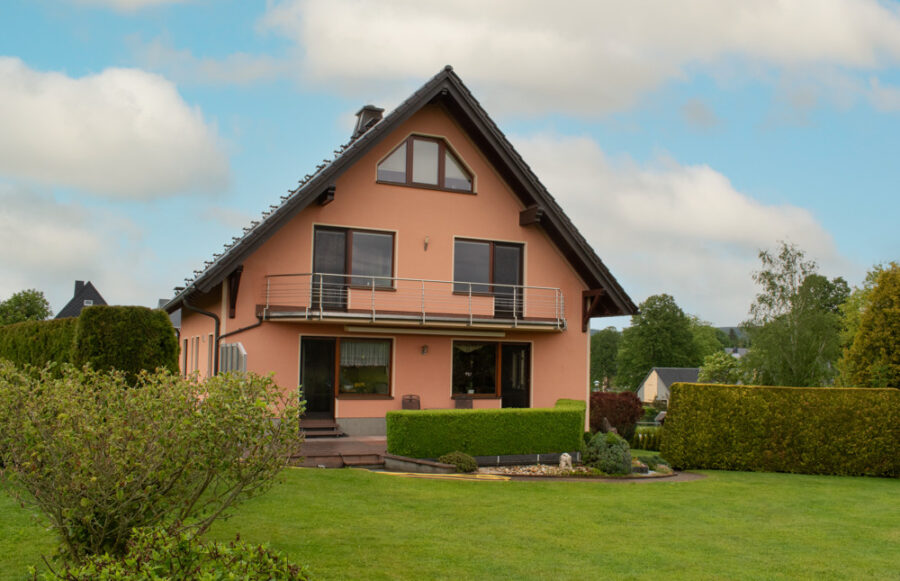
point(74, 307)
point(447, 90)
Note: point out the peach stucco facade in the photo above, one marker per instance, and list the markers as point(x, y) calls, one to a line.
point(425, 223)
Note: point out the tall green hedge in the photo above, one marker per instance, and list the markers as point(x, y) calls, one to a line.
point(38, 343)
point(127, 338)
point(130, 339)
point(432, 433)
point(842, 431)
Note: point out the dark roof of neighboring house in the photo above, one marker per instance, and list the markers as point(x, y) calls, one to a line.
point(84, 291)
point(448, 90)
point(670, 375)
point(174, 316)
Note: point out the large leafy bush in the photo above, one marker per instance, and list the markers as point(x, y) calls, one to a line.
point(159, 554)
point(100, 456)
point(622, 410)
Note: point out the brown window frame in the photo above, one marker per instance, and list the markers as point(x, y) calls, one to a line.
point(443, 149)
point(338, 394)
point(498, 366)
point(348, 254)
point(490, 283)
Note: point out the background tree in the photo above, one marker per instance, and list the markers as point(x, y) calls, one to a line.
point(26, 305)
point(659, 336)
point(794, 325)
point(720, 367)
point(707, 338)
point(604, 351)
point(873, 359)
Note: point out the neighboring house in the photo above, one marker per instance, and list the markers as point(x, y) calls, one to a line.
point(425, 259)
point(736, 352)
point(85, 296)
point(174, 316)
point(656, 384)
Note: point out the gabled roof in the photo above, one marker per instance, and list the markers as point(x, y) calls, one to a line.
point(448, 90)
point(670, 375)
point(84, 291)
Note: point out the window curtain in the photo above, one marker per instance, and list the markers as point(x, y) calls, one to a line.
point(365, 353)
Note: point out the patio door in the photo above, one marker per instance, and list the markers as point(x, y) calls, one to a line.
point(329, 281)
point(515, 375)
point(317, 367)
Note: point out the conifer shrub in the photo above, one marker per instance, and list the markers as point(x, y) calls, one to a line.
point(608, 453)
point(462, 461)
point(647, 438)
point(130, 339)
point(842, 431)
point(38, 343)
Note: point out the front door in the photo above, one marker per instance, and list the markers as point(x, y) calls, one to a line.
point(515, 375)
point(317, 376)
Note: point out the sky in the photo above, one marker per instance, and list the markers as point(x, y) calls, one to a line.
point(137, 137)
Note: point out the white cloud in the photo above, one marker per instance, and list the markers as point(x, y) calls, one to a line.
point(127, 5)
point(123, 133)
point(236, 69)
point(666, 227)
point(587, 57)
point(50, 244)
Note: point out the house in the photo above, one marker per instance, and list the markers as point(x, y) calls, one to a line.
point(425, 262)
point(85, 296)
point(656, 385)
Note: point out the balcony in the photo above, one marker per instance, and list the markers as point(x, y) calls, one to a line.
point(377, 300)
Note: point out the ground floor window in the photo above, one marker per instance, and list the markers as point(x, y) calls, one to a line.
point(365, 366)
point(493, 369)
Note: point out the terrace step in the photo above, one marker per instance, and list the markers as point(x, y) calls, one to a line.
point(320, 429)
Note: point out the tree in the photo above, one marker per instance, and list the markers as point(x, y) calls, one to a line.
point(26, 305)
point(794, 325)
point(604, 350)
point(659, 336)
point(873, 359)
point(707, 338)
point(720, 367)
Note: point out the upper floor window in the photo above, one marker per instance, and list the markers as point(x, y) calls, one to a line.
point(354, 257)
point(425, 162)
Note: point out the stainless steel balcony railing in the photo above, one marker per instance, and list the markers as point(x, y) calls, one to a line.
point(411, 300)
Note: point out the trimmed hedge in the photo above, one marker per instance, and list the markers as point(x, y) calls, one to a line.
point(127, 338)
point(432, 433)
point(842, 431)
point(130, 339)
point(38, 343)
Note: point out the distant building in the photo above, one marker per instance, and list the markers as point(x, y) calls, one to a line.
point(736, 352)
point(656, 384)
point(85, 296)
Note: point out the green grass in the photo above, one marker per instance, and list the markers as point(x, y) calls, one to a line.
point(352, 524)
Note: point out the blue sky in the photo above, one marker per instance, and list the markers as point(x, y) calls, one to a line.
point(138, 136)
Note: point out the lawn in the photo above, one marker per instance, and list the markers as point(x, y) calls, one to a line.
point(352, 524)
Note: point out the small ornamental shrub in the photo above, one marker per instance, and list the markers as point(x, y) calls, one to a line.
point(622, 410)
point(100, 457)
point(160, 554)
point(608, 453)
point(647, 438)
point(462, 461)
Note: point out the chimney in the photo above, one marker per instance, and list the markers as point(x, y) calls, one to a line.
point(79, 286)
point(366, 117)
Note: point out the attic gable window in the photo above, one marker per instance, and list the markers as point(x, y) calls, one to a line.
point(425, 162)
